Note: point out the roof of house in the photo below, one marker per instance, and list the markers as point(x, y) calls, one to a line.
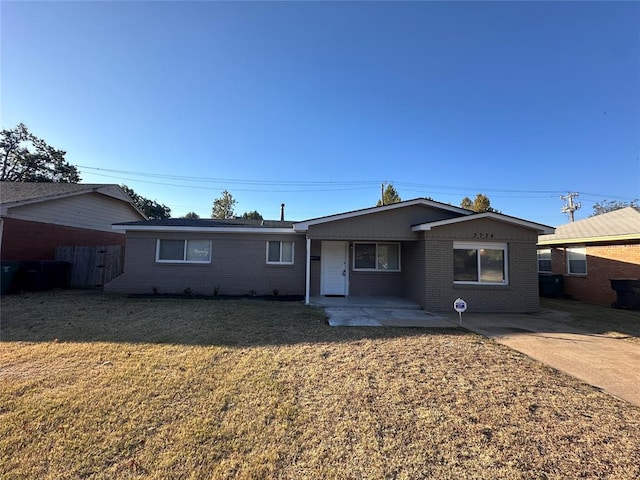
point(500, 217)
point(206, 223)
point(618, 225)
point(304, 225)
point(276, 226)
point(14, 194)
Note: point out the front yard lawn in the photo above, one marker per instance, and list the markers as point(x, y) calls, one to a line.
point(95, 386)
point(608, 321)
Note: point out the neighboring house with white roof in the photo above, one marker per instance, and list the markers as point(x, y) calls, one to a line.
point(36, 218)
point(591, 252)
point(419, 249)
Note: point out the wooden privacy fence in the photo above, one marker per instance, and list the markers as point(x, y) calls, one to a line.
point(92, 267)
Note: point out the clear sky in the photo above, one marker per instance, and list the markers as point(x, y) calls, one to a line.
point(314, 104)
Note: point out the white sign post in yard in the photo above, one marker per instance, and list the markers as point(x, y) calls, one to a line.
point(460, 306)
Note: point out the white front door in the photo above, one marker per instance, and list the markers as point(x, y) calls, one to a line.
point(334, 268)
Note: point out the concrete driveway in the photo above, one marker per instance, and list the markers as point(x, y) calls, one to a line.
point(611, 364)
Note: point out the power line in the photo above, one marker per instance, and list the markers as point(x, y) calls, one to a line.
point(270, 190)
point(230, 180)
point(300, 183)
point(294, 186)
point(571, 206)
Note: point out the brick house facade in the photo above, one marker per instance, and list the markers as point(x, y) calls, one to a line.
point(36, 218)
point(426, 251)
point(38, 241)
point(610, 246)
point(604, 262)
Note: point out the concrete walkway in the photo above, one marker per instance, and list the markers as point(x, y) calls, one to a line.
point(611, 364)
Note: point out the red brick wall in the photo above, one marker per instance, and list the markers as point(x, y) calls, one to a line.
point(23, 240)
point(603, 263)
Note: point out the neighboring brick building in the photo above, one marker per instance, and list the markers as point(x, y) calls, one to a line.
point(591, 252)
point(36, 218)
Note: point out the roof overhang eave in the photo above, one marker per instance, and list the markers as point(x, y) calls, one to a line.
point(582, 240)
point(539, 228)
point(169, 228)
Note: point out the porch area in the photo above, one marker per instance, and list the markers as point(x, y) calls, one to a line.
point(375, 311)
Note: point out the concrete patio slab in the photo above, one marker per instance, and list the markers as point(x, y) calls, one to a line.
point(378, 312)
point(384, 317)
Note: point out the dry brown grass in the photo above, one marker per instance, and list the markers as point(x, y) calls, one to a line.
point(624, 324)
point(93, 386)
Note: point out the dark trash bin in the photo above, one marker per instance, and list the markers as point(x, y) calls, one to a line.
point(627, 292)
point(551, 286)
point(44, 275)
point(8, 271)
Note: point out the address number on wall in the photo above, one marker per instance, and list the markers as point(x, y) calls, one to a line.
point(482, 236)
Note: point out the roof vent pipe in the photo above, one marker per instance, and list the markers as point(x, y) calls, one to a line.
point(282, 212)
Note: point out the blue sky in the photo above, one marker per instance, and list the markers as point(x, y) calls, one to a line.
point(314, 104)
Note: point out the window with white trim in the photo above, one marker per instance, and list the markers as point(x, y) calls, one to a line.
point(376, 257)
point(280, 252)
point(481, 263)
point(544, 260)
point(577, 261)
point(183, 251)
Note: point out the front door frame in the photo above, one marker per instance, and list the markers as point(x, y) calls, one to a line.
point(324, 260)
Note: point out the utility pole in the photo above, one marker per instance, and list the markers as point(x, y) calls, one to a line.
point(571, 206)
point(382, 192)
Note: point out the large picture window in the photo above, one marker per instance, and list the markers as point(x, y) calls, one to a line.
point(577, 261)
point(183, 251)
point(376, 257)
point(480, 263)
point(280, 252)
point(544, 260)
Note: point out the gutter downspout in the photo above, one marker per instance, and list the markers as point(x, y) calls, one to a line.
point(308, 272)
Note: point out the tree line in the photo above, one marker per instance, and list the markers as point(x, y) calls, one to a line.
point(28, 158)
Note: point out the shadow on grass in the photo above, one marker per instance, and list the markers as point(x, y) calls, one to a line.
point(88, 316)
point(597, 319)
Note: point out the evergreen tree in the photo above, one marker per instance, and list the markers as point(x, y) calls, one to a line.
point(480, 204)
point(389, 196)
point(223, 207)
point(252, 215)
point(151, 208)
